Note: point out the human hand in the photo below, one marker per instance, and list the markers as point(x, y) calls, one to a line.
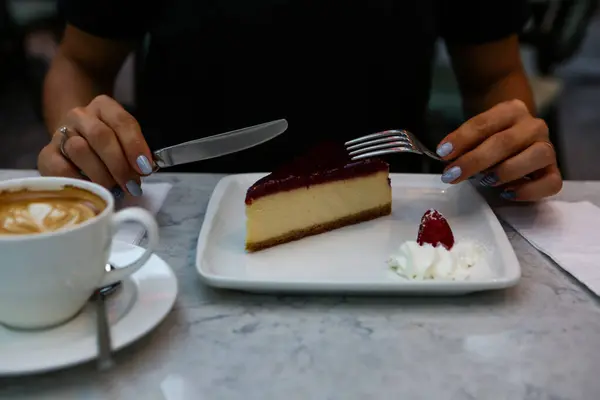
point(511, 148)
point(102, 142)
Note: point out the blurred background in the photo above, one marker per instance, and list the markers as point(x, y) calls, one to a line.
point(560, 46)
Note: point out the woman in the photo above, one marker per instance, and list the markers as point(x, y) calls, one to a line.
point(335, 72)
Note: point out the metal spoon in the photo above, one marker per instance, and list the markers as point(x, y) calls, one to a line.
point(105, 361)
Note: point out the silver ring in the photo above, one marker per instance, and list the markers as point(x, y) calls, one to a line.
point(64, 132)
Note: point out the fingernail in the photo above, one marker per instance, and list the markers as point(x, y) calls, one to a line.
point(444, 149)
point(144, 165)
point(134, 188)
point(117, 192)
point(451, 175)
point(508, 195)
point(489, 180)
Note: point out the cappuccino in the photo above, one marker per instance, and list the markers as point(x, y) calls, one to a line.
point(55, 241)
point(30, 211)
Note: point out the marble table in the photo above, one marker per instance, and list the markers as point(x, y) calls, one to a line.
point(538, 340)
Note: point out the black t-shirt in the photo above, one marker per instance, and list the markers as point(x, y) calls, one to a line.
point(335, 70)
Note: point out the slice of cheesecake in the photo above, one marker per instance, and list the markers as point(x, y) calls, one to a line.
point(316, 193)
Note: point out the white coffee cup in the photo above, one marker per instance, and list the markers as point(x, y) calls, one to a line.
point(47, 278)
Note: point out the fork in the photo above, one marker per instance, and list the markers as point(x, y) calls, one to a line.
point(387, 142)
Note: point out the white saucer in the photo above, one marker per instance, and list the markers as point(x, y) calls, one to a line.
point(140, 304)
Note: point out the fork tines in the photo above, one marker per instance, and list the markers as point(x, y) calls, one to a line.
point(376, 144)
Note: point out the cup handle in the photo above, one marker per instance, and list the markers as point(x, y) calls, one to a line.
point(144, 218)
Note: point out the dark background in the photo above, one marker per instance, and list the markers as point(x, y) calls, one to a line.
point(561, 49)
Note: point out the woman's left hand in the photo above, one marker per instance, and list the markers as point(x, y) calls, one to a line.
point(510, 147)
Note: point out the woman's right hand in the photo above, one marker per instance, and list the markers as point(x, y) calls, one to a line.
point(104, 143)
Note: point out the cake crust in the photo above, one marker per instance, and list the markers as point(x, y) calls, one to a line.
point(362, 216)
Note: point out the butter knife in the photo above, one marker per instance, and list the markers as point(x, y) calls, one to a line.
point(218, 145)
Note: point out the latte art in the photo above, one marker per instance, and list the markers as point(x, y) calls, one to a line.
point(43, 217)
point(29, 212)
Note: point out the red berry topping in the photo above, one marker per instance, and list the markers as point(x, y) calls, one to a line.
point(435, 230)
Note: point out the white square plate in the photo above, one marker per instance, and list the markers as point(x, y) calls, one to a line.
point(351, 259)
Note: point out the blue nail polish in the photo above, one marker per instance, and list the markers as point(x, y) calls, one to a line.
point(444, 149)
point(134, 188)
point(451, 175)
point(489, 180)
point(144, 165)
point(508, 195)
point(117, 192)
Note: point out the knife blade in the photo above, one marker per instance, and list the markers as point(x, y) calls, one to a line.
point(219, 145)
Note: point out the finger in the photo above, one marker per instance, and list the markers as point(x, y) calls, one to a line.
point(477, 129)
point(51, 163)
point(547, 183)
point(103, 141)
point(81, 154)
point(536, 157)
point(128, 131)
point(496, 149)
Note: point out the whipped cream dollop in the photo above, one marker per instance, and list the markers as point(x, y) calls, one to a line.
point(417, 262)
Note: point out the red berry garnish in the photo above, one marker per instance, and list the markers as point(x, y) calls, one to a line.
point(435, 230)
